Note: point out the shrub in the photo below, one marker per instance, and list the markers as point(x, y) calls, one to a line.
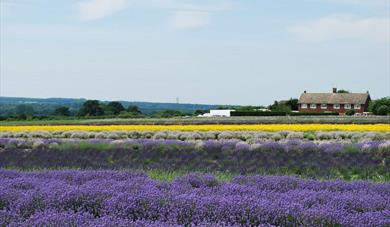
point(277, 137)
point(101, 135)
point(313, 114)
point(113, 135)
point(257, 113)
point(383, 110)
point(376, 104)
point(350, 112)
point(295, 135)
point(309, 136)
point(340, 135)
point(190, 136)
point(384, 147)
point(324, 136)
point(226, 135)
point(160, 135)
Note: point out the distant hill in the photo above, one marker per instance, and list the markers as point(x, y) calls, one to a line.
point(38, 106)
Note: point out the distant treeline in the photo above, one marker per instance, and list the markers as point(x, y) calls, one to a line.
point(56, 108)
point(92, 109)
point(43, 108)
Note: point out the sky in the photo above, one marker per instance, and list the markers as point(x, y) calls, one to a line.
point(213, 52)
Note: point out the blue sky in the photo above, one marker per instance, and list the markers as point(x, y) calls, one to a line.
point(215, 51)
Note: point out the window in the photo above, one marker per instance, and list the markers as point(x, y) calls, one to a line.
point(324, 106)
point(347, 106)
point(357, 106)
point(313, 106)
point(304, 106)
point(336, 106)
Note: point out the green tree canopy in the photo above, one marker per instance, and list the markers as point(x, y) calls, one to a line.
point(249, 108)
point(91, 108)
point(343, 91)
point(24, 109)
point(292, 103)
point(115, 107)
point(280, 107)
point(200, 112)
point(383, 110)
point(133, 109)
point(169, 113)
point(377, 108)
point(62, 111)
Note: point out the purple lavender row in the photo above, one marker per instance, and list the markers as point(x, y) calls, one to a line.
point(248, 136)
point(113, 198)
point(369, 145)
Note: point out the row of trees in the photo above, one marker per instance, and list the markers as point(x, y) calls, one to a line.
point(96, 108)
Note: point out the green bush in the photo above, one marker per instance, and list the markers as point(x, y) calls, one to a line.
point(383, 110)
point(376, 104)
point(257, 113)
point(313, 114)
point(350, 112)
point(309, 135)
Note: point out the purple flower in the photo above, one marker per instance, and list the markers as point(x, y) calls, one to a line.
point(118, 198)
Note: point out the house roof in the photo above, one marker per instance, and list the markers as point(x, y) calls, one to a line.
point(334, 98)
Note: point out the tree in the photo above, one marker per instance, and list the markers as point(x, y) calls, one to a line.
point(169, 113)
point(279, 107)
point(292, 103)
point(24, 109)
point(249, 108)
point(223, 108)
point(383, 110)
point(133, 109)
point(200, 112)
point(342, 91)
point(91, 108)
point(115, 107)
point(62, 111)
point(376, 104)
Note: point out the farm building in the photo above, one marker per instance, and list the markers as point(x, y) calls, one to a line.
point(218, 113)
point(333, 102)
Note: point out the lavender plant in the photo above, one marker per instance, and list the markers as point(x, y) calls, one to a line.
point(114, 198)
point(248, 136)
point(315, 159)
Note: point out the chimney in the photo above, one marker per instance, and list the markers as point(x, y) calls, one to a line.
point(334, 90)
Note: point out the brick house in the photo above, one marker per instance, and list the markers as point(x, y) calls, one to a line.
point(333, 102)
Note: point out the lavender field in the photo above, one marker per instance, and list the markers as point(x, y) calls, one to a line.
point(366, 160)
point(178, 178)
point(119, 198)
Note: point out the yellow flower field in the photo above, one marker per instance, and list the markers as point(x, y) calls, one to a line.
point(259, 127)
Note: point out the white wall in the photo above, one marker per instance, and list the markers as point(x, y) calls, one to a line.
point(222, 113)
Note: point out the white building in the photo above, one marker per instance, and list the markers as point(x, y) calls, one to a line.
point(217, 113)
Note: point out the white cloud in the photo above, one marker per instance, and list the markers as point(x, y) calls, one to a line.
point(343, 27)
point(190, 5)
point(190, 19)
point(96, 9)
point(188, 10)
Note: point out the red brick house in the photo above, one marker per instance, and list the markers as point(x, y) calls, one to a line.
point(333, 102)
